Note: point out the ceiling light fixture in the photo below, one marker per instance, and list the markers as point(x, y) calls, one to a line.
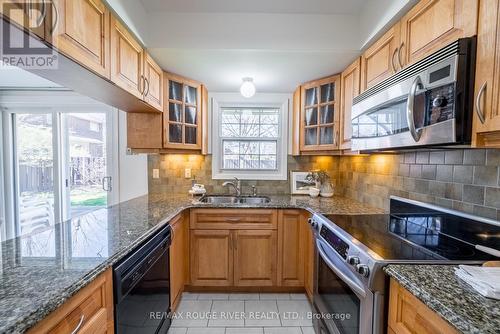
point(247, 88)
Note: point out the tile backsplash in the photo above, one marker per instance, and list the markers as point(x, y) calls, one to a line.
point(466, 180)
point(172, 174)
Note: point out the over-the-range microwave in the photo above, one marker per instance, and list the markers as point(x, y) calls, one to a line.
point(427, 104)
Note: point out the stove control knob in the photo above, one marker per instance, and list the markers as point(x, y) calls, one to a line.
point(353, 260)
point(312, 223)
point(363, 270)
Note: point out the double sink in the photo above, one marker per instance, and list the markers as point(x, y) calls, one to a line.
point(222, 199)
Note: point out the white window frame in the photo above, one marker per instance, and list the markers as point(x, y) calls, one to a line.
point(276, 101)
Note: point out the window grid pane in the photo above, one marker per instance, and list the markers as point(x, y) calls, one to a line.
point(250, 138)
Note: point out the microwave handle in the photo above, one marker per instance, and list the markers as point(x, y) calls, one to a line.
point(417, 83)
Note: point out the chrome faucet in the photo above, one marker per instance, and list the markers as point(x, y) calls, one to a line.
point(236, 184)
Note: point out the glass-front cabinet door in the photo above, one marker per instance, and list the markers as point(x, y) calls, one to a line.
point(183, 114)
point(319, 126)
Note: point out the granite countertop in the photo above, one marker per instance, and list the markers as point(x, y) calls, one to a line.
point(441, 290)
point(41, 270)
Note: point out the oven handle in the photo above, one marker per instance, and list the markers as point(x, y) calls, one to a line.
point(358, 289)
point(415, 133)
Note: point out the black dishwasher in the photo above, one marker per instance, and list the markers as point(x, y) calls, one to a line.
point(142, 287)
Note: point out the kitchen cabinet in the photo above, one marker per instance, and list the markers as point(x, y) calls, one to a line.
point(153, 79)
point(432, 24)
point(291, 247)
point(33, 16)
point(144, 131)
point(349, 87)
point(295, 131)
point(82, 32)
point(211, 257)
point(182, 116)
point(380, 60)
point(89, 311)
point(255, 254)
point(179, 256)
point(233, 247)
point(486, 121)
point(319, 115)
point(127, 60)
point(408, 315)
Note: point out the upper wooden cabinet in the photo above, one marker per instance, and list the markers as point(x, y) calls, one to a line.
point(350, 85)
point(127, 60)
point(486, 121)
point(182, 116)
point(432, 24)
point(153, 79)
point(82, 33)
point(320, 115)
point(380, 60)
point(295, 131)
point(33, 16)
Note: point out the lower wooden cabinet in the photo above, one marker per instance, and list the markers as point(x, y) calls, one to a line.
point(255, 254)
point(89, 311)
point(408, 315)
point(291, 245)
point(309, 260)
point(179, 251)
point(211, 256)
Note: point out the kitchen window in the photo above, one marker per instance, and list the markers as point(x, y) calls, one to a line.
point(250, 141)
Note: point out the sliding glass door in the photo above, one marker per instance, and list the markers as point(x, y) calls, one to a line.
point(88, 180)
point(63, 167)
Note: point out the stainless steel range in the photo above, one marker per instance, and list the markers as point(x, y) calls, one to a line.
point(350, 286)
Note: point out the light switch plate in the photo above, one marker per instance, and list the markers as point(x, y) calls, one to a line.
point(187, 173)
point(156, 173)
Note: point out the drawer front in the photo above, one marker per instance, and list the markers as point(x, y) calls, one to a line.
point(234, 219)
point(89, 311)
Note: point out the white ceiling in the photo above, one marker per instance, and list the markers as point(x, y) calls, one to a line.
point(256, 6)
point(279, 43)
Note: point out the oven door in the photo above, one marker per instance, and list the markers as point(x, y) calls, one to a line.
point(343, 304)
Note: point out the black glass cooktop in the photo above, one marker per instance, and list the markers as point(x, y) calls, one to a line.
point(412, 232)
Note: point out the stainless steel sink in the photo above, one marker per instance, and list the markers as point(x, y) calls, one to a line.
point(220, 199)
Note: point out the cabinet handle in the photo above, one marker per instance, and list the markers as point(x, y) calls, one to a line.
point(479, 112)
point(43, 15)
point(399, 55)
point(143, 79)
point(392, 60)
point(231, 240)
point(77, 328)
point(235, 241)
point(337, 138)
point(55, 19)
point(147, 83)
point(233, 220)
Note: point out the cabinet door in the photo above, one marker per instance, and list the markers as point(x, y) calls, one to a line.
point(320, 103)
point(380, 61)
point(211, 256)
point(178, 259)
point(182, 119)
point(486, 121)
point(255, 255)
point(350, 80)
point(432, 24)
point(126, 60)
point(153, 76)
point(408, 315)
point(82, 33)
point(291, 248)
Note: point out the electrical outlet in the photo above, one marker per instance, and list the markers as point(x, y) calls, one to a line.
point(156, 173)
point(187, 173)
